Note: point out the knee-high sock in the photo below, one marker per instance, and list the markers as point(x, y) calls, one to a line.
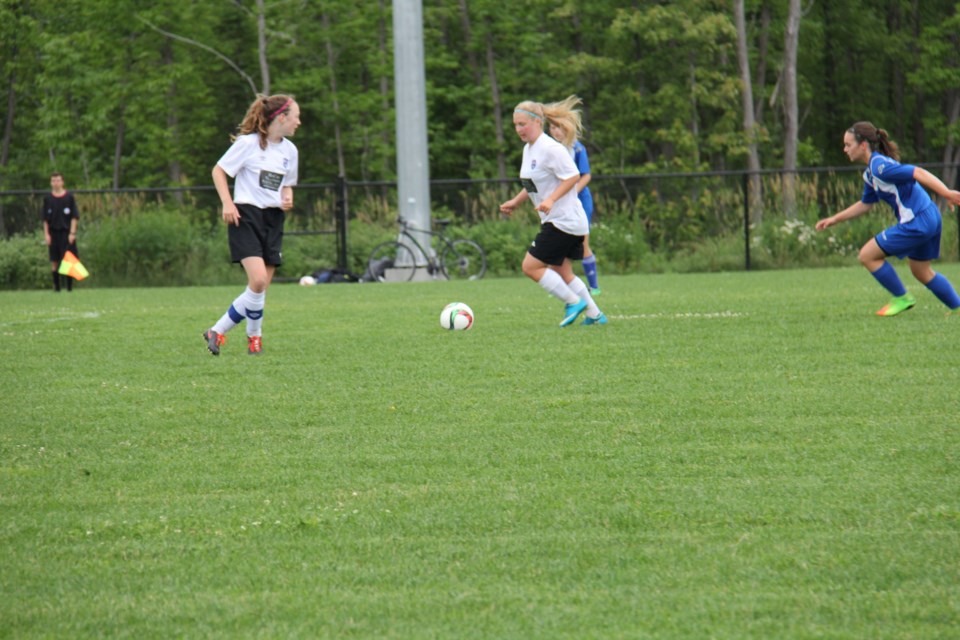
point(889, 280)
point(942, 288)
point(255, 313)
point(553, 284)
point(56, 280)
point(576, 285)
point(590, 270)
point(247, 305)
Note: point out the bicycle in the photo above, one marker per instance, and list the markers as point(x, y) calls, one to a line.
point(459, 259)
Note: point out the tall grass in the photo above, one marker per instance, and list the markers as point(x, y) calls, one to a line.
point(733, 456)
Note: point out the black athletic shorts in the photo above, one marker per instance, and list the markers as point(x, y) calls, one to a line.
point(259, 235)
point(552, 246)
point(60, 244)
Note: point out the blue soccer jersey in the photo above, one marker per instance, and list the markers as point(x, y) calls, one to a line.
point(583, 166)
point(888, 180)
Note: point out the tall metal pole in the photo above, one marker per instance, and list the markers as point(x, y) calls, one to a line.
point(410, 90)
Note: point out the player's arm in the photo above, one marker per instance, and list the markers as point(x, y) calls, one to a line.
point(936, 185)
point(286, 198)
point(583, 182)
point(547, 203)
point(46, 233)
point(514, 202)
point(230, 213)
point(853, 211)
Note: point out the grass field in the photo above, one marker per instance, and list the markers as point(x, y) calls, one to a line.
point(749, 455)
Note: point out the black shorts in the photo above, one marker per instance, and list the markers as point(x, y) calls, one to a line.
point(259, 234)
point(552, 246)
point(60, 244)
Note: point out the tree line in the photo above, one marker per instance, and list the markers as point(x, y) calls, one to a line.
point(118, 93)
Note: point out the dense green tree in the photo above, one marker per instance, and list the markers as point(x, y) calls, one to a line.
point(146, 94)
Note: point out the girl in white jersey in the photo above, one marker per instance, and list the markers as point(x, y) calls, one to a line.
point(264, 165)
point(549, 177)
point(916, 235)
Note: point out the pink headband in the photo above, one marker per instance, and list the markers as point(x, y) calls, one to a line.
point(280, 110)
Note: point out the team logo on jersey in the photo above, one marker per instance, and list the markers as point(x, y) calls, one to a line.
point(286, 162)
point(533, 163)
point(66, 211)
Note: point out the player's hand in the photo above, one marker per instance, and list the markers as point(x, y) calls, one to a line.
point(231, 215)
point(507, 207)
point(545, 205)
point(826, 222)
point(953, 198)
point(286, 203)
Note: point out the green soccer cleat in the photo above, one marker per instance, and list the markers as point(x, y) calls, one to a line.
point(897, 305)
point(595, 292)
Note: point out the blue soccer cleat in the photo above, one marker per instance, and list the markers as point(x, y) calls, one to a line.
point(572, 311)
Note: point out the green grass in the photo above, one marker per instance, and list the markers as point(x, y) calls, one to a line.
point(734, 456)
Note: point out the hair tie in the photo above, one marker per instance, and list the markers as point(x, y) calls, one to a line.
point(280, 110)
point(535, 115)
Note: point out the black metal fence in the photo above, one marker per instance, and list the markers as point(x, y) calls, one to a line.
point(670, 208)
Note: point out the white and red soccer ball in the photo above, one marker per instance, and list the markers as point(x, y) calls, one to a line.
point(456, 316)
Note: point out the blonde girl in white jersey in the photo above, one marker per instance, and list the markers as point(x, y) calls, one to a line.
point(549, 175)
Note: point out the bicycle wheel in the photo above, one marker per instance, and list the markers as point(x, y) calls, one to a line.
point(463, 260)
point(391, 262)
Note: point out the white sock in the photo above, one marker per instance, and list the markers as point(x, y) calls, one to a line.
point(248, 305)
point(553, 284)
point(254, 304)
point(576, 285)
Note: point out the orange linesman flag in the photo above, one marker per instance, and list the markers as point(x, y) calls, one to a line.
point(70, 266)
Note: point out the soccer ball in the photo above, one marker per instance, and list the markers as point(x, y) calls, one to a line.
point(308, 281)
point(456, 316)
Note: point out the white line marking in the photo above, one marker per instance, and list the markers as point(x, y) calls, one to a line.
point(682, 315)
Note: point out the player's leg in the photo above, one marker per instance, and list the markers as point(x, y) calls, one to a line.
point(578, 287)
point(937, 283)
point(590, 266)
point(874, 258)
point(245, 248)
point(551, 282)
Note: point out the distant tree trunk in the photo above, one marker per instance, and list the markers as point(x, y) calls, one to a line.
point(951, 152)
point(118, 145)
point(749, 121)
point(763, 46)
point(468, 43)
point(694, 112)
point(497, 106)
point(7, 138)
point(262, 48)
point(385, 93)
point(790, 109)
point(332, 67)
point(174, 170)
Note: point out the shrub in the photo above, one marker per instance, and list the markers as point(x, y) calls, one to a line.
point(24, 263)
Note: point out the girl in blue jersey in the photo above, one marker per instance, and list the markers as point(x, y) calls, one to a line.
point(565, 129)
point(916, 235)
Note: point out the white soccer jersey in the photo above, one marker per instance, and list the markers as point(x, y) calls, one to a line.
point(547, 163)
point(259, 174)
